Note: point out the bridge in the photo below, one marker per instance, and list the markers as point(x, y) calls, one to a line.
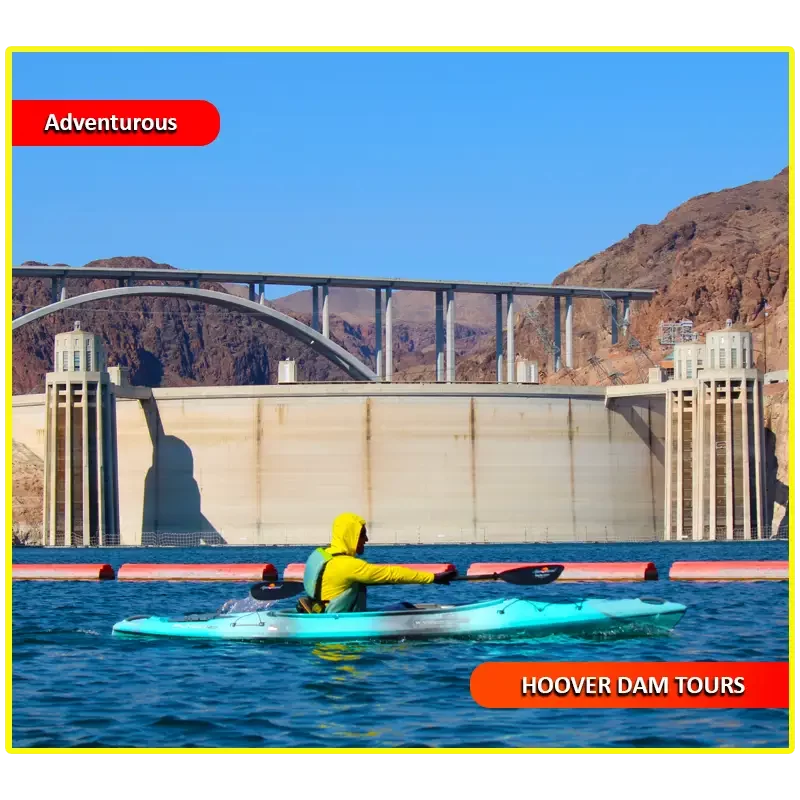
point(318, 334)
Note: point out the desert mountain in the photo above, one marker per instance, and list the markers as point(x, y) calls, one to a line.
point(719, 256)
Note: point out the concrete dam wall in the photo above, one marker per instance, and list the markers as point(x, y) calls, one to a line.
point(426, 463)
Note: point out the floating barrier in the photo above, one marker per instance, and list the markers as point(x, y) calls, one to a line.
point(729, 571)
point(62, 572)
point(580, 571)
point(294, 572)
point(197, 572)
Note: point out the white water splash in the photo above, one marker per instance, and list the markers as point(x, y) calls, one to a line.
point(242, 605)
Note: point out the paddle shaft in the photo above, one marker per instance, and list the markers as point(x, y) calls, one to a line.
point(521, 576)
point(539, 575)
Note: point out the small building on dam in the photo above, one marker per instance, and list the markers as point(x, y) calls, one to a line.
point(681, 459)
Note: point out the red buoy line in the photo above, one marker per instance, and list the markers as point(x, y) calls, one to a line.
point(62, 572)
point(197, 572)
point(729, 571)
point(573, 571)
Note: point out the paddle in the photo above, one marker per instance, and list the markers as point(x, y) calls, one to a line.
point(520, 576)
point(275, 591)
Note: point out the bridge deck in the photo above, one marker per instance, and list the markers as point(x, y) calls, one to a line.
point(293, 279)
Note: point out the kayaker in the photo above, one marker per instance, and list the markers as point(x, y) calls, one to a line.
point(336, 581)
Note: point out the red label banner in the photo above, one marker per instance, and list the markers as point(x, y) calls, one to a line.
point(553, 684)
point(113, 123)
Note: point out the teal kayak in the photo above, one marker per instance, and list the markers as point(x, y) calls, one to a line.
point(493, 618)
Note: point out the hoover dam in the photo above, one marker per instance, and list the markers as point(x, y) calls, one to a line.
point(680, 457)
point(424, 463)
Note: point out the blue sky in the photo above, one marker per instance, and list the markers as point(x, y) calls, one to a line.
point(507, 167)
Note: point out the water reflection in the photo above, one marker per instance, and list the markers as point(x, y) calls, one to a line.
point(337, 652)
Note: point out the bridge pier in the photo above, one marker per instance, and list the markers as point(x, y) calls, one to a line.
point(511, 361)
point(262, 300)
point(614, 323)
point(389, 354)
point(439, 336)
point(378, 336)
point(568, 332)
point(556, 334)
point(251, 292)
point(326, 317)
point(626, 312)
point(450, 337)
point(315, 307)
point(57, 290)
point(498, 335)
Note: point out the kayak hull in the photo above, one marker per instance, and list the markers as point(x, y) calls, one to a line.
point(493, 618)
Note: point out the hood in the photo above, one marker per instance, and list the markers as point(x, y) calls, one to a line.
point(346, 530)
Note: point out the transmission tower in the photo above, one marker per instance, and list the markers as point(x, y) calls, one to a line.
point(543, 335)
point(604, 374)
point(641, 358)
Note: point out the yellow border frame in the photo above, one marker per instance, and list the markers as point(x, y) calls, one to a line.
point(563, 49)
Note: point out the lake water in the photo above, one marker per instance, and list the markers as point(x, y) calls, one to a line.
point(74, 685)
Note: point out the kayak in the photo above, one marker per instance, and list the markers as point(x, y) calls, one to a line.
point(493, 618)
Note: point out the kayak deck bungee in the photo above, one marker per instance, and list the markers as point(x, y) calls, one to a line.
point(495, 618)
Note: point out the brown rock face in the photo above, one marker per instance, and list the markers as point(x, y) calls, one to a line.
point(27, 491)
point(718, 256)
point(776, 420)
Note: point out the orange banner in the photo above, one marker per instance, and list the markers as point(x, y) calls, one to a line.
point(619, 684)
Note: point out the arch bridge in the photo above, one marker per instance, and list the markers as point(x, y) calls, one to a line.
point(318, 334)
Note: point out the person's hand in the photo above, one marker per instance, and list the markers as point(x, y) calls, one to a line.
point(444, 577)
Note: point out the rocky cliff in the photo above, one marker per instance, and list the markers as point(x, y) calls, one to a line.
point(776, 420)
point(27, 491)
point(719, 256)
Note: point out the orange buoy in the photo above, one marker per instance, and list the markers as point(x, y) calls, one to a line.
point(294, 572)
point(197, 572)
point(581, 571)
point(729, 571)
point(62, 572)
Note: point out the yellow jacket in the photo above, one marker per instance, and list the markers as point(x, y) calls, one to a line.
point(345, 570)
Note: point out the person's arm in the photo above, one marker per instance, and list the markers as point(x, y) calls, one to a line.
point(373, 574)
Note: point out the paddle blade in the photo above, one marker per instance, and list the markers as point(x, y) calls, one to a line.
point(532, 576)
point(275, 591)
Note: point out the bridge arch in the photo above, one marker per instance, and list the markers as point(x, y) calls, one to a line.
point(324, 346)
